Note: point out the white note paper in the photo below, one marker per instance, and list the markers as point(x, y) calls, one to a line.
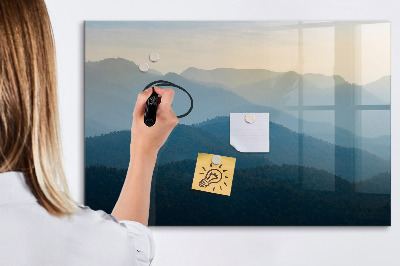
point(249, 137)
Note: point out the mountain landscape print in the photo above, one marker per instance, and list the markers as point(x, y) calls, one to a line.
point(326, 86)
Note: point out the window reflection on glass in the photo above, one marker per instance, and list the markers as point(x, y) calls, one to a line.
point(374, 141)
point(345, 103)
point(318, 57)
point(318, 143)
point(375, 63)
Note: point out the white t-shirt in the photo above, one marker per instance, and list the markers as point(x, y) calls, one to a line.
point(31, 236)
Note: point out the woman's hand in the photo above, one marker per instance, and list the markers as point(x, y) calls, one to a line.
point(148, 140)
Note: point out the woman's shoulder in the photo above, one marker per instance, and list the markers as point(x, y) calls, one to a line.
point(133, 234)
point(89, 215)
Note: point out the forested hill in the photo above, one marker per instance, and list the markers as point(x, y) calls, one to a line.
point(269, 195)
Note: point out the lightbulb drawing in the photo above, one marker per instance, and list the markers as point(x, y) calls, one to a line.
point(212, 176)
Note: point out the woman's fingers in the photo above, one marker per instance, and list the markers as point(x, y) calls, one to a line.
point(141, 103)
point(164, 109)
point(159, 91)
point(167, 97)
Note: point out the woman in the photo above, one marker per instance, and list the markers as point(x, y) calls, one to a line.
point(40, 224)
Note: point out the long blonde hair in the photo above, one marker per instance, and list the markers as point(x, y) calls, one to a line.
point(29, 121)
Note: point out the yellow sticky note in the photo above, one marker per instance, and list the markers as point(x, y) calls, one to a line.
point(214, 178)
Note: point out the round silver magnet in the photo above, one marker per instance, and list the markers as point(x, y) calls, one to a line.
point(154, 57)
point(144, 67)
point(250, 118)
point(216, 159)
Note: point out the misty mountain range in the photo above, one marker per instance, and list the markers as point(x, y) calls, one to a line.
point(111, 87)
point(282, 87)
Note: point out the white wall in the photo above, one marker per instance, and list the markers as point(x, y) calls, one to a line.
point(234, 245)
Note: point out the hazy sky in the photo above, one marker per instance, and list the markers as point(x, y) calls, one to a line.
point(265, 45)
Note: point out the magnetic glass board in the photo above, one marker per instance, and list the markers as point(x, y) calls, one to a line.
point(325, 85)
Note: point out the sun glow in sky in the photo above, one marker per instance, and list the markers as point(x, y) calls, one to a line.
point(274, 46)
